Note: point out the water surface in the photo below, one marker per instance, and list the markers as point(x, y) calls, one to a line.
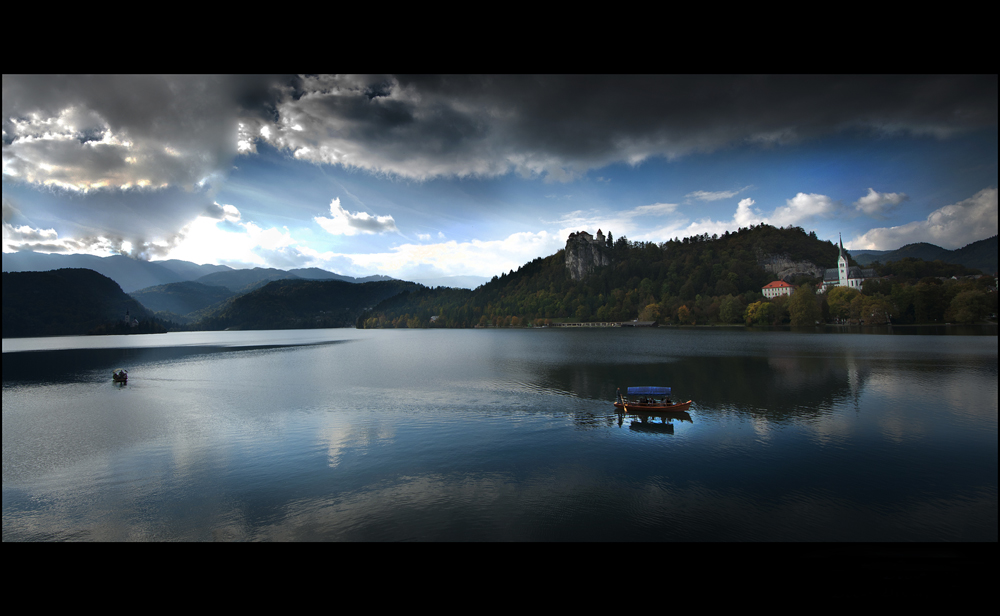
point(499, 435)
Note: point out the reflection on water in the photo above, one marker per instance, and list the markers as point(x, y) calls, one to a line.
point(501, 435)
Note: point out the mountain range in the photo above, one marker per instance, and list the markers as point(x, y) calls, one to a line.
point(644, 279)
point(981, 255)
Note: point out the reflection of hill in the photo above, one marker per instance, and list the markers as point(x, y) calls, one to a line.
point(75, 365)
point(783, 387)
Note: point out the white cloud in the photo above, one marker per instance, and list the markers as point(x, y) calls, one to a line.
point(951, 226)
point(801, 208)
point(473, 258)
point(346, 223)
point(656, 209)
point(715, 196)
point(796, 210)
point(876, 203)
point(745, 214)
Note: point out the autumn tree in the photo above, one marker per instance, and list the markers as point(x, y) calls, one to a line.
point(802, 307)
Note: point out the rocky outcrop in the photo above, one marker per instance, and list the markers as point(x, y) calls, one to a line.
point(785, 269)
point(584, 254)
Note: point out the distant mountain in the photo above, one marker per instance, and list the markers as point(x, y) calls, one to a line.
point(454, 282)
point(302, 304)
point(181, 298)
point(130, 274)
point(244, 280)
point(134, 274)
point(315, 273)
point(64, 302)
point(981, 255)
point(191, 271)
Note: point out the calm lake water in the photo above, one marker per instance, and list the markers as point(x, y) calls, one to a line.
point(499, 435)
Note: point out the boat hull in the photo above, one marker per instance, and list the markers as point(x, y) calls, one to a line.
point(660, 408)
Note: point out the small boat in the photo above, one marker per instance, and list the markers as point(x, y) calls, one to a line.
point(120, 375)
point(647, 398)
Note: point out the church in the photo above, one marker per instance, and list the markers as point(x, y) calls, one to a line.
point(844, 275)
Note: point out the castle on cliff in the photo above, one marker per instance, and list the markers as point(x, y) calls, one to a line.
point(584, 253)
point(583, 235)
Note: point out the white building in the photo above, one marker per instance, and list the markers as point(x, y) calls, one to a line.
point(776, 288)
point(844, 275)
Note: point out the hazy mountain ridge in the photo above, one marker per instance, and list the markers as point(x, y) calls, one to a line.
point(136, 274)
point(981, 255)
point(181, 298)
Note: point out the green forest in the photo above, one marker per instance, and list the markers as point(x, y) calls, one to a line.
point(70, 302)
point(700, 280)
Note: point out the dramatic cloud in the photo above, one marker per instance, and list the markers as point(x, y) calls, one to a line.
point(562, 126)
point(86, 132)
point(135, 164)
point(346, 223)
point(876, 203)
point(221, 230)
point(950, 227)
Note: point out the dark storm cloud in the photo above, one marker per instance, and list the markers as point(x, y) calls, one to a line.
point(563, 125)
point(80, 131)
point(137, 156)
point(93, 131)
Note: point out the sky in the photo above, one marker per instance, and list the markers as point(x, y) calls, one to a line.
point(426, 177)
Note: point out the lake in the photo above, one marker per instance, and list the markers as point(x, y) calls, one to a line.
point(500, 435)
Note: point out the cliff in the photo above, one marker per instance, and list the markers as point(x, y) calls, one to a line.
point(584, 254)
point(785, 269)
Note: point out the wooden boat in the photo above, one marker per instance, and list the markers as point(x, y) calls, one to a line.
point(120, 375)
point(648, 398)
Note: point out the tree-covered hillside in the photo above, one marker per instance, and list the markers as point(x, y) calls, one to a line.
point(67, 302)
point(645, 281)
point(698, 280)
point(302, 304)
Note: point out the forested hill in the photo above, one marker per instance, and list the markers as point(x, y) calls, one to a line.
point(644, 280)
point(67, 302)
point(302, 304)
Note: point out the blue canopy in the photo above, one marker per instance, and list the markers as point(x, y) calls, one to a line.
point(649, 391)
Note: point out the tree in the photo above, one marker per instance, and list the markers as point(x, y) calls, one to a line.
point(839, 299)
point(802, 307)
point(969, 307)
point(759, 313)
point(650, 313)
point(731, 310)
point(877, 311)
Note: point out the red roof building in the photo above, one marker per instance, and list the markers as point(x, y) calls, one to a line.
point(776, 288)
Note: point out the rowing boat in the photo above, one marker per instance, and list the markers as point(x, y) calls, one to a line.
point(649, 398)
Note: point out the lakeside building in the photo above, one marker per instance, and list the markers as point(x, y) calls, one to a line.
point(844, 275)
point(776, 288)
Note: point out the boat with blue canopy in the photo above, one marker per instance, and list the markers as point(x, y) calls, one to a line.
point(649, 398)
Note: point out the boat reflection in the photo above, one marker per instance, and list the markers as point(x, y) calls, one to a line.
point(651, 421)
